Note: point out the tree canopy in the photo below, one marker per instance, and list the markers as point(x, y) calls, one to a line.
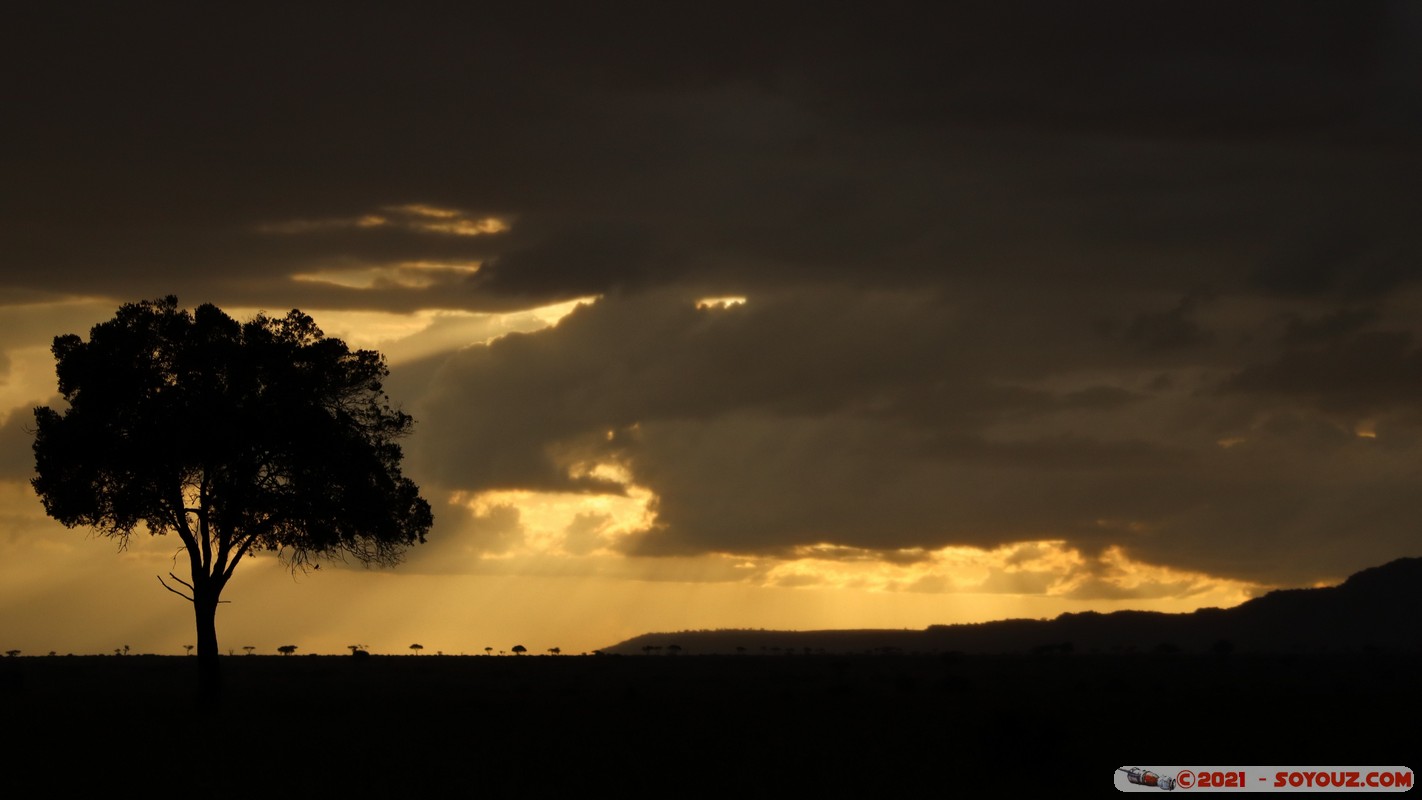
point(237, 437)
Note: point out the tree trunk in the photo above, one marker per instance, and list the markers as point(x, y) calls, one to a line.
point(209, 668)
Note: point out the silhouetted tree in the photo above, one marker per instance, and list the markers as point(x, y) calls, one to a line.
point(188, 648)
point(417, 648)
point(555, 650)
point(519, 649)
point(287, 649)
point(488, 651)
point(358, 650)
point(249, 648)
point(13, 653)
point(238, 437)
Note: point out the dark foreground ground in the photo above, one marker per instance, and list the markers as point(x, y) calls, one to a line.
point(658, 724)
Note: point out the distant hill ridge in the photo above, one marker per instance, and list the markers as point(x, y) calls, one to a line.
point(1377, 609)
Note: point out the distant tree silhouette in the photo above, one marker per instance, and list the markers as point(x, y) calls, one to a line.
point(238, 437)
point(249, 648)
point(287, 649)
point(555, 650)
point(188, 648)
point(417, 648)
point(673, 649)
point(12, 653)
point(358, 650)
point(519, 649)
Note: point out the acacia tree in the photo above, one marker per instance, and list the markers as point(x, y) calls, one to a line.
point(238, 438)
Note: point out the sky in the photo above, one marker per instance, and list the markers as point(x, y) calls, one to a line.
point(749, 315)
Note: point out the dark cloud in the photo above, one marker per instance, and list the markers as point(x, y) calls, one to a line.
point(576, 261)
point(753, 146)
point(1113, 272)
point(1365, 373)
point(1169, 330)
point(1303, 331)
point(1348, 263)
point(897, 421)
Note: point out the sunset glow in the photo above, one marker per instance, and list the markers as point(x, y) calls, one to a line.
point(796, 320)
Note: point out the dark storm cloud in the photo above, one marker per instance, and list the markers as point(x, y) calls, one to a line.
point(900, 421)
point(1169, 330)
point(1347, 264)
point(641, 144)
point(1327, 327)
point(1366, 373)
point(1118, 272)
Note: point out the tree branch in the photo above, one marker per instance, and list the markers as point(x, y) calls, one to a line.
point(185, 583)
point(204, 526)
point(246, 545)
point(175, 591)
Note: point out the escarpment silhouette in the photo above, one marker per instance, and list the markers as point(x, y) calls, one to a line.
point(1375, 610)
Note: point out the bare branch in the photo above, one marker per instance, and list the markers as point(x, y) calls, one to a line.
point(246, 545)
point(175, 591)
point(185, 583)
point(180, 580)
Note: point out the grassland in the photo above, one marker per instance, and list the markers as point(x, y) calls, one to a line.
point(395, 722)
